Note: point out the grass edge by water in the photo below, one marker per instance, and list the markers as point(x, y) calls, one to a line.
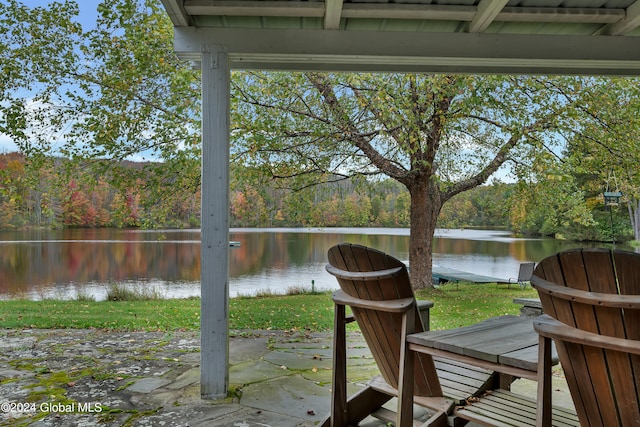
point(455, 305)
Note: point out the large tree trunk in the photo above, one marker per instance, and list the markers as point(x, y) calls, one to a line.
point(425, 206)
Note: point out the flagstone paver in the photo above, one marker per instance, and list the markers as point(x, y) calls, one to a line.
point(92, 377)
point(64, 378)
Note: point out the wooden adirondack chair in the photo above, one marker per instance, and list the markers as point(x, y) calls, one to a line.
point(594, 297)
point(377, 289)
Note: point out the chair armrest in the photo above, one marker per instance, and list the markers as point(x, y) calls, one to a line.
point(552, 328)
point(392, 306)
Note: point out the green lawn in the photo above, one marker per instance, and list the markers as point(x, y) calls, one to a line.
point(455, 305)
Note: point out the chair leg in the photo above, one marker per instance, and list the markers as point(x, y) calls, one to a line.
point(339, 413)
point(543, 411)
point(405, 386)
point(348, 412)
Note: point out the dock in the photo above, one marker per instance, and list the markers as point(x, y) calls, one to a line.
point(442, 275)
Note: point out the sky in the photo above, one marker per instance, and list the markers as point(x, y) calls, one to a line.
point(87, 17)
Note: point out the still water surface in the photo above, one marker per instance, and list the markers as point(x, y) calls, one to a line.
point(61, 263)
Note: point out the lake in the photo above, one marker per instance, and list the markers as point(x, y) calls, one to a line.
point(61, 263)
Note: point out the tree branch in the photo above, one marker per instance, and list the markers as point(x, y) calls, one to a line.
point(342, 121)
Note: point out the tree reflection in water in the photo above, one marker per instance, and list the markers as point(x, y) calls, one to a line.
point(62, 263)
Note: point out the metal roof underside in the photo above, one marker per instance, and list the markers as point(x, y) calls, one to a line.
point(477, 36)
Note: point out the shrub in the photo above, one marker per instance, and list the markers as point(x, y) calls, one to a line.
point(121, 292)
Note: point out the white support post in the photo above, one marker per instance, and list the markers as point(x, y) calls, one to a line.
point(214, 306)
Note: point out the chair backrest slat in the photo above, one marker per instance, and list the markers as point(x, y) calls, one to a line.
point(590, 270)
point(382, 330)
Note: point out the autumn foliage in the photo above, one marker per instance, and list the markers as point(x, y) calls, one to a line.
point(54, 193)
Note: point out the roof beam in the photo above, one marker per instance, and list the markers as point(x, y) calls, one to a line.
point(334, 10)
point(332, 14)
point(400, 51)
point(556, 14)
point(487, 12)
point(629, 23)
point(254, 8)
point(177, 13)
point(408, 11)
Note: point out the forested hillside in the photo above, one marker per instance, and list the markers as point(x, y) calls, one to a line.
point(55, 193)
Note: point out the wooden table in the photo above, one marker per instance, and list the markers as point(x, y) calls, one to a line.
point(507, 345)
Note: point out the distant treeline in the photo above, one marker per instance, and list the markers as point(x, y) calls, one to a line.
point(382, 203)
point(56, 193)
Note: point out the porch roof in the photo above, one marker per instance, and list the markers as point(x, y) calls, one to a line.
point(476, 36)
